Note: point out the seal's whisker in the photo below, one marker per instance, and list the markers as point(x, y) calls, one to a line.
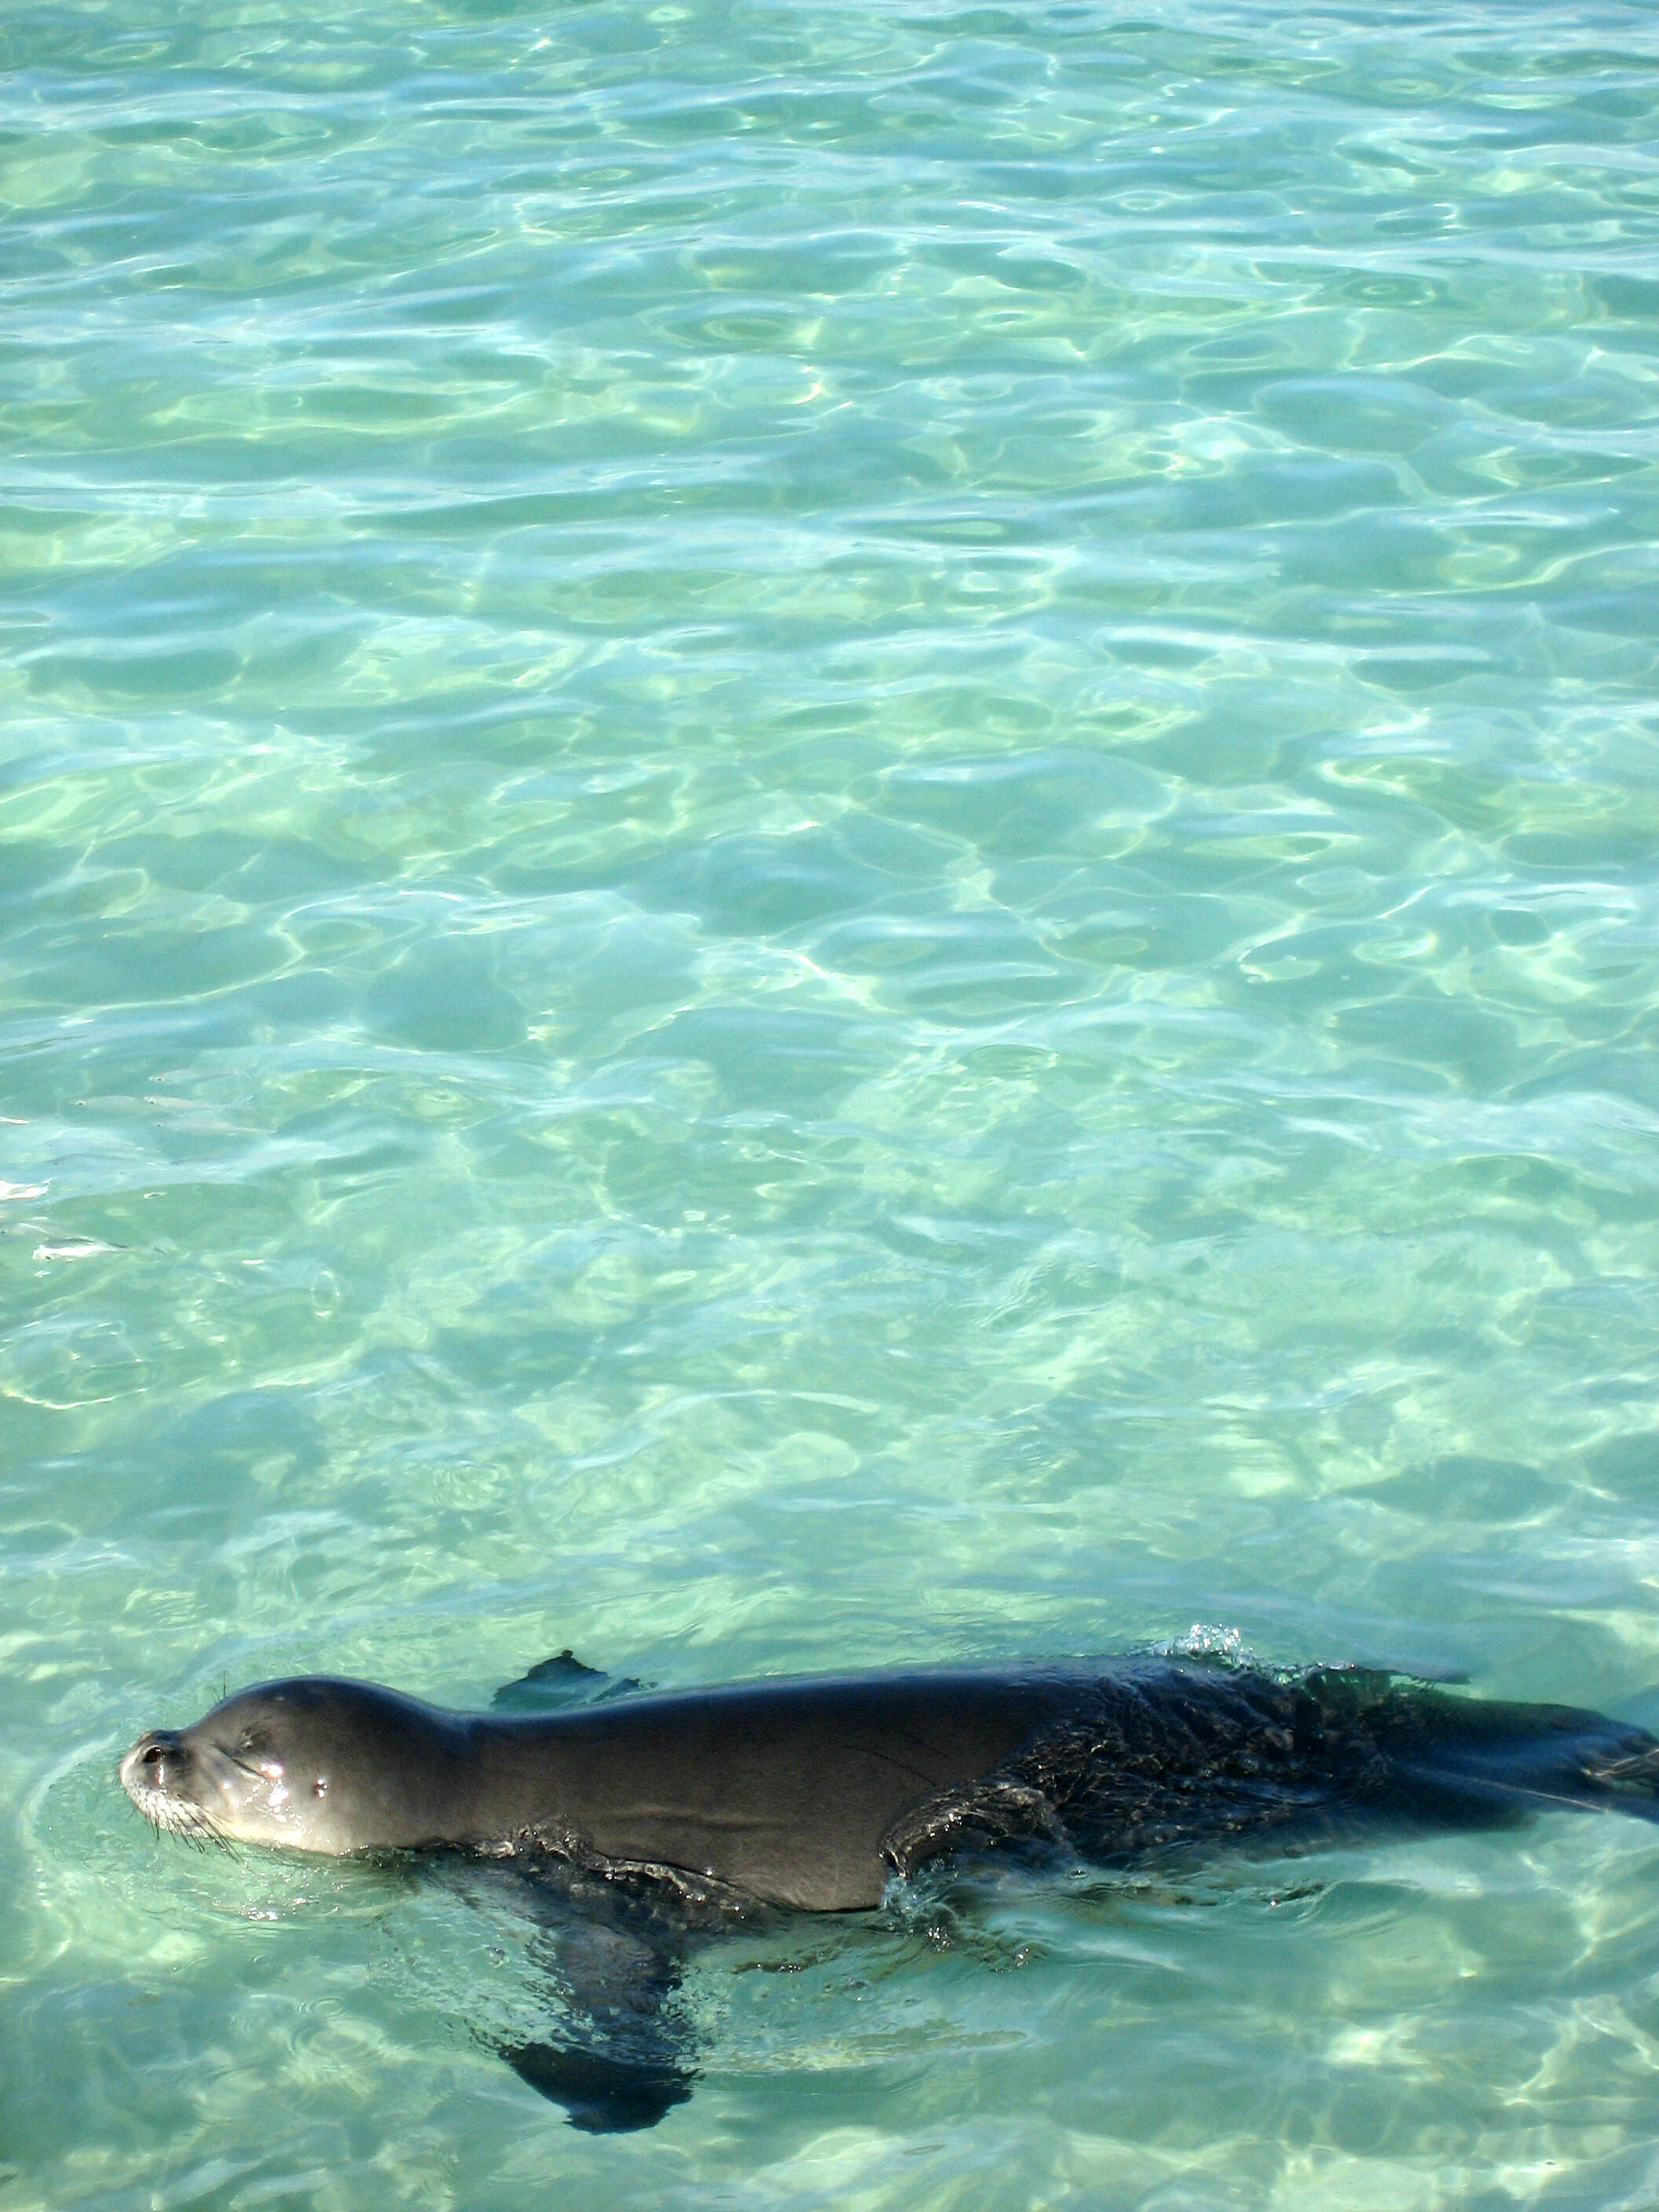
point(201, 1829)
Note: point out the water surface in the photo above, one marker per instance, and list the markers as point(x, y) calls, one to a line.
point(830, 835)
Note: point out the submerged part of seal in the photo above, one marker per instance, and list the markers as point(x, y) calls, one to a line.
point(633, 1824)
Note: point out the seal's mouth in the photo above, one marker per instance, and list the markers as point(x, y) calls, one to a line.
point(149, 1775)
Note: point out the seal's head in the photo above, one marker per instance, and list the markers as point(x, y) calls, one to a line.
point(315, 1764)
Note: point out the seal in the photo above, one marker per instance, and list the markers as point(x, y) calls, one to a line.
point(634, 1824)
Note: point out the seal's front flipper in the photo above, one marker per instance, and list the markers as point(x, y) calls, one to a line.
point(621, 2053)
point(603, 2095)
point(554, 1684)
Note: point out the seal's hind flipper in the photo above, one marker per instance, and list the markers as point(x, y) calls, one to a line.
point(555, 1684)
point(1479, 1761)
point(1629, 1780)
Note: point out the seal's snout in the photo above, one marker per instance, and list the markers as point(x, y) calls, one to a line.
point(153, 1763)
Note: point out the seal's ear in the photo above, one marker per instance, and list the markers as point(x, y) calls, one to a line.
point(555, 1684)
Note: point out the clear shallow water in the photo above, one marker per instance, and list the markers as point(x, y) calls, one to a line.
point(830, 835)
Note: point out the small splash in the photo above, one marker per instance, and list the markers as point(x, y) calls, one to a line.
point(1207, 1640)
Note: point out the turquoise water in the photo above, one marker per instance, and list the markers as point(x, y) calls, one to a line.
point(830, 836)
